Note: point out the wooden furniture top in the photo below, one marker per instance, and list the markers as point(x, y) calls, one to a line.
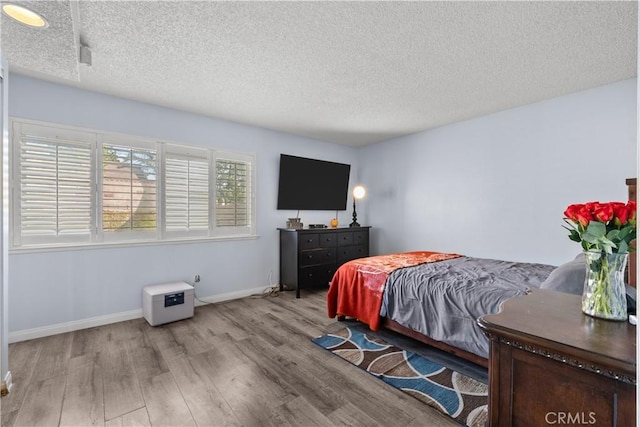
point(554, 321)
point(325, 230)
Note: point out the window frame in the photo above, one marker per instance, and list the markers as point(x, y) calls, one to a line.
point(163, 150)
point(185, 153)
point(66, 137)
point(118, 236)
point(241, 158)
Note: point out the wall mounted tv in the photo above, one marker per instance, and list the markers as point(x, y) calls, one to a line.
point(312, 185)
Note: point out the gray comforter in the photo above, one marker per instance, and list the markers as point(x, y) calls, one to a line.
point(444, 299)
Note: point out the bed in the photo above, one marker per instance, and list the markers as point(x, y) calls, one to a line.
point(434, 297)
point(437, 298)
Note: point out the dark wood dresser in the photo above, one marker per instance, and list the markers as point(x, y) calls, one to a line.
point(310, 257)
point(551, 364)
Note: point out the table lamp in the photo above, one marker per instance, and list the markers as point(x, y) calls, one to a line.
point(358, 193)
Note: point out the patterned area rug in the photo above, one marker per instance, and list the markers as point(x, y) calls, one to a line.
point(458, 396)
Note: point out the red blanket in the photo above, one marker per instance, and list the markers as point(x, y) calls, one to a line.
point(357, 287)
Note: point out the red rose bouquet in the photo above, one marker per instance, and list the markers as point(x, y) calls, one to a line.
point(608, 227)
point(605, 231)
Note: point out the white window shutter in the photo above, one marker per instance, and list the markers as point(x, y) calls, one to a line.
point(129, 191)
point(234, 203)
point(54, 184)
point(186, 187)
point(72, 186)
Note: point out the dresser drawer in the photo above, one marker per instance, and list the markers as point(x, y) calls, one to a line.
point(345, 239)
point(361, 238)
point(317, 256)
point(347, 253)
point(317, 275)
point(328, 240)
point(309, 241)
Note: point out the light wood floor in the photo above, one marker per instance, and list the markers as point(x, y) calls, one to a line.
point(247, 362)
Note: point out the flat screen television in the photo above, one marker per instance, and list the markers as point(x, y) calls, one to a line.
point(312, 185)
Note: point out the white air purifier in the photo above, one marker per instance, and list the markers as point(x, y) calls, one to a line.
point(167, 302)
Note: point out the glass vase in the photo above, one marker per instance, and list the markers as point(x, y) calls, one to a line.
point(604, 293)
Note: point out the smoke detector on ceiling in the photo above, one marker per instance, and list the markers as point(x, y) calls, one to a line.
point(85, 55)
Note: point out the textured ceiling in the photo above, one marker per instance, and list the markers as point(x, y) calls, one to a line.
point(348, 72)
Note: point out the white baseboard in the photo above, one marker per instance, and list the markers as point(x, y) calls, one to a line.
point(229, 296)
point(60, 328)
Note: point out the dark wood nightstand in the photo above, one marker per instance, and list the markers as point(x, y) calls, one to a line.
point(551, 364)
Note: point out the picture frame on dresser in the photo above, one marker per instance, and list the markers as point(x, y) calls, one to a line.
point(310, 257)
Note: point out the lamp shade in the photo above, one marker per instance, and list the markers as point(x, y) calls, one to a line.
point(359, 192)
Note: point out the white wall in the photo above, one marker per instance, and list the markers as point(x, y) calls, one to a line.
point(497, 186)
point(50, 288)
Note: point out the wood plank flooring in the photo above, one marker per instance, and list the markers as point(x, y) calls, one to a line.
point(247, 362)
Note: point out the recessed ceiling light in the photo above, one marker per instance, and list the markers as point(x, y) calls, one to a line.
point(23, 15)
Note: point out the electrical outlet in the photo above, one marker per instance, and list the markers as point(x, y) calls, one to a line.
point(197, 278)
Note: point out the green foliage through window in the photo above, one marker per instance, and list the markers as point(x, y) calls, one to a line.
point(232, 198)
point(129, 196)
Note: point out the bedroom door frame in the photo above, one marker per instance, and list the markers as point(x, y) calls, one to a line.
point(5, 374)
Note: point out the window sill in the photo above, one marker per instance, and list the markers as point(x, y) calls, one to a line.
point(128, 244)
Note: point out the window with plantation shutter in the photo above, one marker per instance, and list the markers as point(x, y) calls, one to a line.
point(74, 187)
point(186, 186)
point(54, 185)
point(129, 191)
point(234, 194)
